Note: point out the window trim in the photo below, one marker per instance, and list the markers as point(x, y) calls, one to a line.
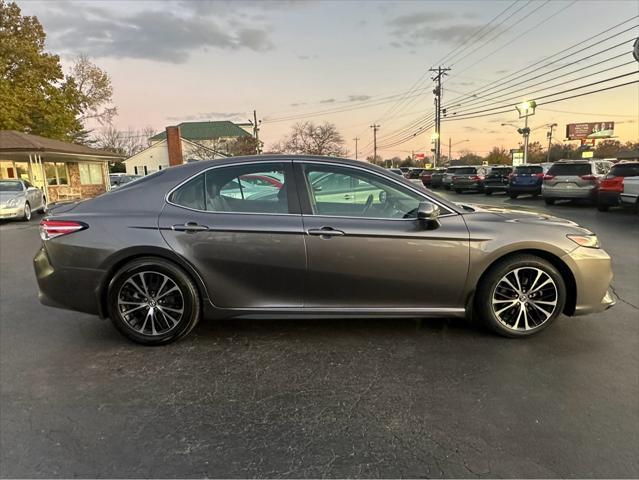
point(57, 176)
point(301, 184)
point(292, 196)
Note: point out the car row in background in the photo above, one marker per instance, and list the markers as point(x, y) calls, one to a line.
point(602, 182)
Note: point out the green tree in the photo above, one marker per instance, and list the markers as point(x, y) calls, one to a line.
point(35, 96)
point(498, 156)
point(468, 158)
point(608, 149)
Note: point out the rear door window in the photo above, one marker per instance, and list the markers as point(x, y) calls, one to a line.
point(625, 170)
point(570, 169)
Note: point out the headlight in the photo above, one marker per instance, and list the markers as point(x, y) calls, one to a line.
point(589, 241)
point(13, 202)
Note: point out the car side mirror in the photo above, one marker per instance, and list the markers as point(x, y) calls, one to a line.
point(428, 213)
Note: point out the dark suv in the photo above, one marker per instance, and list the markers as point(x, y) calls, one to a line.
point(527, 179)
point(497, 179)
point(469, 178)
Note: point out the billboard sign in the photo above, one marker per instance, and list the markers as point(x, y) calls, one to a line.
point(596, 130)
point(518, 157)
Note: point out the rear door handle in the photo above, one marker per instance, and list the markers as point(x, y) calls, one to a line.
point(190, 227)
point(325, 232)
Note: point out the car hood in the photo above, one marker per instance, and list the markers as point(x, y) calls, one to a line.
point(6, 196)
point(511, 215)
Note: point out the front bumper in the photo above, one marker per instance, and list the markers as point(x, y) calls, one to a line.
point(70, 288)
point(592, 269)
point(11, 213)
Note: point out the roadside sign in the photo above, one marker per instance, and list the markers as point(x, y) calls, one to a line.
point(517, 156)
point(593, 130)
point(587, 154)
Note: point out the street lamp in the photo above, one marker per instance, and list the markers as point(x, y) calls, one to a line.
point(525, 110)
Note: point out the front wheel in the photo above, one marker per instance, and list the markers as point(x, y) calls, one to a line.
point(26, 216)
point(152, 301)
point(549, 201)
point(520, 296)
point(513, 195)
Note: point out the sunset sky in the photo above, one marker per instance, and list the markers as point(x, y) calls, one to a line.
point(173, 61)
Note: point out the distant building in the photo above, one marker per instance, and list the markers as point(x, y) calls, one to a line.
point(168, 149)
point(218, 135)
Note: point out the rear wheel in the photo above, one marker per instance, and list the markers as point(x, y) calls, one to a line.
point(513, 195)
point(488, 192)
point(520, 296)
point(549, 201)
point(603, 208)
point(457, 190)
point(152, 301)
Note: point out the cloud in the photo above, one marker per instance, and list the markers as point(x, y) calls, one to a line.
point(297, 104)
point(328, 100)
point(501, 72)
point(471, 129)
point(236, 116)
point(307, 57)
point(163, 36)
point(420, 18)
point(358, 98)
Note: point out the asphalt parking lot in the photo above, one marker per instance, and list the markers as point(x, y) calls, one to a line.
point(338, 398)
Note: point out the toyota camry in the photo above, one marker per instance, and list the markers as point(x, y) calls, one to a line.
point(315, 237)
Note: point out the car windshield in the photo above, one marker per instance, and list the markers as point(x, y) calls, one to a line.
point(466, 171)
point(10, 186)
point(529, 170)
point(570, 169)
point(625, 170)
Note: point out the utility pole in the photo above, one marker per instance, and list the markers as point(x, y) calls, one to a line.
point(450, 144)
point(375, 127)
point(439, 73)
point(356, 140)
point(256, 132)
point(549, 134)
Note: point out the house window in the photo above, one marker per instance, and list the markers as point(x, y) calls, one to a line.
point(146, 171)
point(90, 173)
point(135, 170)
point(56, 173)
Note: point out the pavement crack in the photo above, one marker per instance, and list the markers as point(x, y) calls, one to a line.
point(622, 299)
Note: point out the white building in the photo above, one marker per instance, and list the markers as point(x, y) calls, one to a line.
point(172, 150)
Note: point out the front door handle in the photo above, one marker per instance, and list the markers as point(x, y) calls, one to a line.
point(347, 197)
point(190, 227)
point(325, 232)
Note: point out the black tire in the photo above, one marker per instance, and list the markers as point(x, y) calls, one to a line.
point(457, 190)
point(513, 195)
point(446, 187)
point(549, 201)
point(488, 192)
point(491, 281)
point(603, 208)
point(26, 216)
point(155, 268)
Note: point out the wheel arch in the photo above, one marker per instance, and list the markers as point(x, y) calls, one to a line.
point(554, 260)
point(117, 261)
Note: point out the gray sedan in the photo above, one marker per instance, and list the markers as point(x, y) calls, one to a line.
point(335, 238)
point(18, 198)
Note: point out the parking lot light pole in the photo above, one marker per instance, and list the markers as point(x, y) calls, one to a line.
point(549, 134)
point(526, 109)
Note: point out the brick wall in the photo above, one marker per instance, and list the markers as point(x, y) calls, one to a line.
point(86, 191)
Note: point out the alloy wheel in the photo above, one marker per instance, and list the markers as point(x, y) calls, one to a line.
point(151, 303)
point(27, 212)
point(525, 298)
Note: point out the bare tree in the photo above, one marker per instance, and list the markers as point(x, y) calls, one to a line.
point(311, 139)
point(128, 142)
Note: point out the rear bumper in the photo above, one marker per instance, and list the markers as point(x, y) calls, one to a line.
point(467, 186)
point(569, 193)
point(524, 188)
point(496, 186)
point(592, 269)
point(70, 288)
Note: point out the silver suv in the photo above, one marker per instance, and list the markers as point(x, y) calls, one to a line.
point(574, 179)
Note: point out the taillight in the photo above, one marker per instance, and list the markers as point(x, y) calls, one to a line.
point(539, 175)
point(54, 228)
point(588, 177)
point(477, 177)
point(612, 184)
point(455, 177)
point(510, 176)
point(548, 177)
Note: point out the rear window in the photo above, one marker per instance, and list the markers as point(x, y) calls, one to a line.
point(529, 170)
point(501, 171)
point(625, 170)
point(466, 171)
point(570, 169)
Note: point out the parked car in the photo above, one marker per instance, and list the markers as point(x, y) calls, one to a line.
point(437, 178)
point(414, 175)
point(574, 179)
point(396, 171)
point(427, 175)
point(497, 179)
point(527, 179)
point(469, 178)
point(630, 195)
point(18, 198)
point(179, 249)
point(613, 186)
point(447, 178)
point(118, 179)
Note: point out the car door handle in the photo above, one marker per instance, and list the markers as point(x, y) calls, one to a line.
point(347, 197)
point(190, 227)
point(325, 232)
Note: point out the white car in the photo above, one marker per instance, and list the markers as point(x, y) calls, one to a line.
point(630, 194)
point(18, 198)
